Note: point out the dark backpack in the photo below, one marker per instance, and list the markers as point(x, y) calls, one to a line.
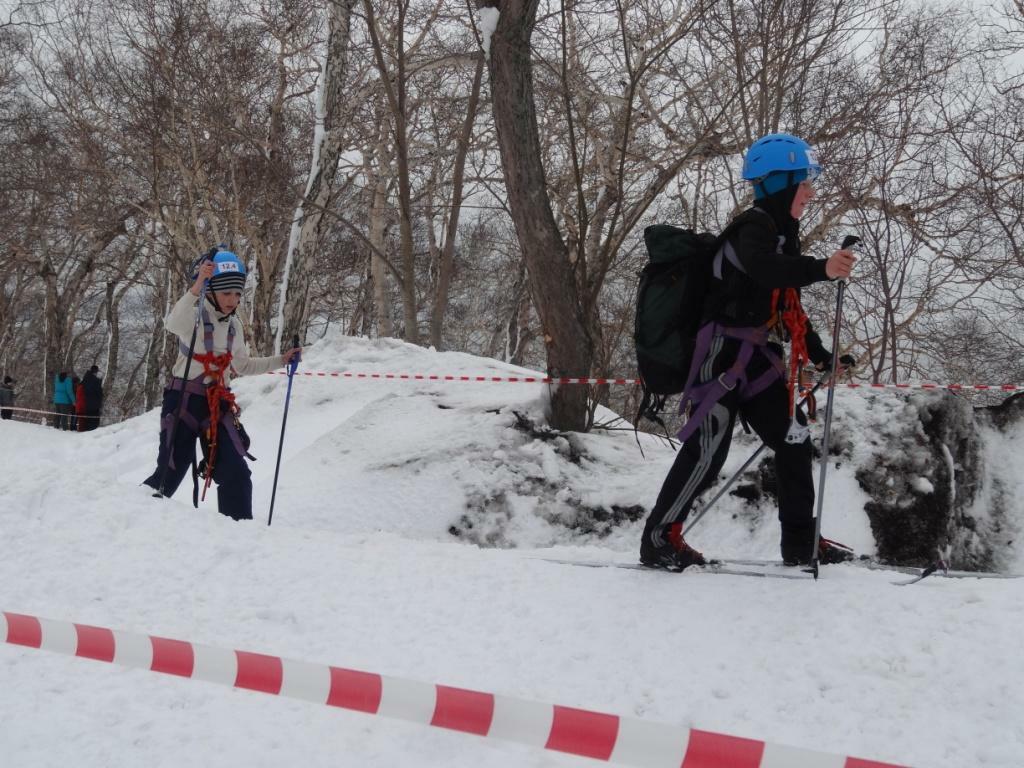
point(669, 309)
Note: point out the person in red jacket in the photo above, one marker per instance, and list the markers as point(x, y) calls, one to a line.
point(91, 399)
point(77, 422)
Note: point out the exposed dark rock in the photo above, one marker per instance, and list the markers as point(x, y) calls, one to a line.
point(486, 520)
point(562, 440)
point(1006, 413)
point(747, 491)
point(546, 493)
point(923, 480)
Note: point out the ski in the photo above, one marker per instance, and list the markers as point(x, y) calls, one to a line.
point(936, 568)
point(775, 569)
point(714, 566)
point(938, 565)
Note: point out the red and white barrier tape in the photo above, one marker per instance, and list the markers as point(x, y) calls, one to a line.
point(611, 738)
point(929, 385)
point(575, 380)
point(49, 413)
point(460, 377)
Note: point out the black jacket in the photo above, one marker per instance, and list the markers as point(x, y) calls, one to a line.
point(769, 261)
point(93, 389)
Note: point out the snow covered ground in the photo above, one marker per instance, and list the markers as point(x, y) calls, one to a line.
point(359, 570)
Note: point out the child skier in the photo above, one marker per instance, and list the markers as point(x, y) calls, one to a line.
point(209, 411)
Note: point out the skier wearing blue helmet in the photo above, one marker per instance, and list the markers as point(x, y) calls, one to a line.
point(751, 308)
point(209, 412)
point(777, 161)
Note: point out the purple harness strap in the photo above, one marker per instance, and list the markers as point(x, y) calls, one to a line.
point(706, 394)
point(227, 423)
point(193, 387)
point(197, 387)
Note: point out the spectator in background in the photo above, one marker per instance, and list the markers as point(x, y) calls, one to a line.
point(63, 400)
point(92, 400)
point(77, 403)
point(7, 398)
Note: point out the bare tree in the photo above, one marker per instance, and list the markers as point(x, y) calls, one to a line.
point(567, 330)
point(136, 135)
point(445, 252)
point(327, 145)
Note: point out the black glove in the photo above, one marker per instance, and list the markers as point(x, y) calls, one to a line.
point(846, 362)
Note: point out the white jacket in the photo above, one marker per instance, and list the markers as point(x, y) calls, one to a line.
point(181, 320)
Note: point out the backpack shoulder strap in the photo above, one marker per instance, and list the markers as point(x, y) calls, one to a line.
point(763, 212)
point(725, 250)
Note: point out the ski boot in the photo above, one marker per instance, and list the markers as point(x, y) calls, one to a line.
point(829, 553)
point(676, 555)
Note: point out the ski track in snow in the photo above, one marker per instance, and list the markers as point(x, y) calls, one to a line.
point(359, 571)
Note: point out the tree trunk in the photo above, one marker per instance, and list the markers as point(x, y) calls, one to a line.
point(378, 229)
point(394, 85)
point(553, 277)
point(53, 360)
point(307, 224)
point(268, 247)
point(113, 337)
point(447, 261)
point(159, 342)
point(512, 339)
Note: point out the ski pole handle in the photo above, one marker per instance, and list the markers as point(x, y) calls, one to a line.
point(211, 257)
point(848, 242)
point(206, 258)
point(294, 363)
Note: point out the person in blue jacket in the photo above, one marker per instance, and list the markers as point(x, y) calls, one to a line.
point(63, 400)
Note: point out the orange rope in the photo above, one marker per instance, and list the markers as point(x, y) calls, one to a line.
point(214, 367)
point(795, 320)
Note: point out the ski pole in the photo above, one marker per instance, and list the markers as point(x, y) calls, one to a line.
point(292, 365)
point(848, 242)
point(753, 457)
point(184, 382)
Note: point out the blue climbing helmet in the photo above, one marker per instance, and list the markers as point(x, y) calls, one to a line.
point(777, 161)
point(228, 270)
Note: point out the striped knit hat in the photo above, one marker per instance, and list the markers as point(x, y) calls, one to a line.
point(228, 273)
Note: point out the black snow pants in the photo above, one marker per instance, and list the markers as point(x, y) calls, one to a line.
point(231, 472)
point(701, 457)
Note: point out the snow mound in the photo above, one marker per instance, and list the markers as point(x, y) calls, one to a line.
point(370, 564)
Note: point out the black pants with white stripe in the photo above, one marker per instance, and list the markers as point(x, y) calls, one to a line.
point(700, 458)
